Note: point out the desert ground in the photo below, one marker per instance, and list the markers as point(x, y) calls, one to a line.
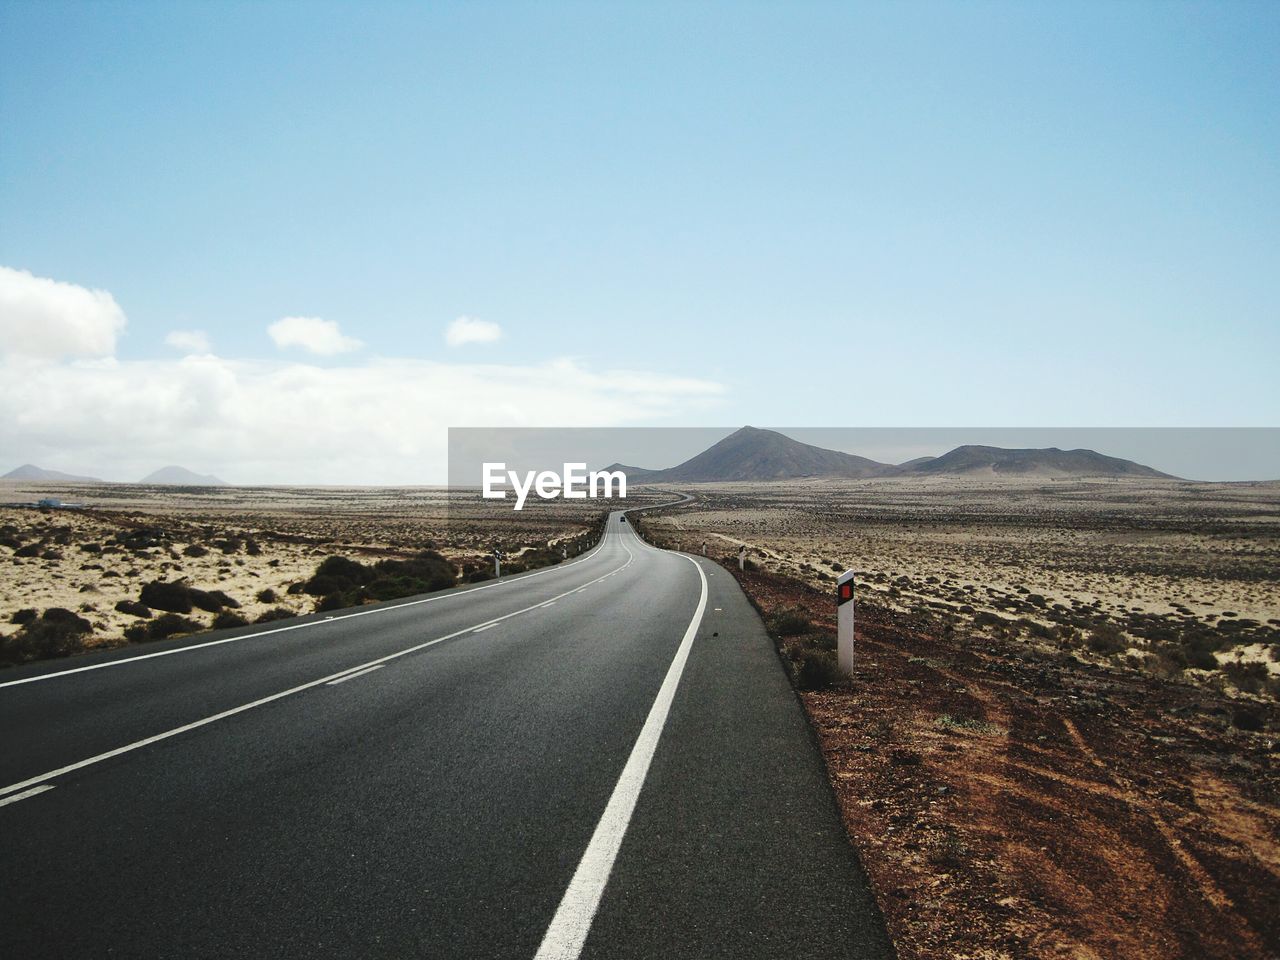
point(1170, 577)
point(255, 546)
point(1061, 735)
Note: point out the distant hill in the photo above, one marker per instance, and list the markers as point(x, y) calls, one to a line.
point(182, 477)
point(634, 474)
point(754, 454)
point(29, 472)
point(973, 460)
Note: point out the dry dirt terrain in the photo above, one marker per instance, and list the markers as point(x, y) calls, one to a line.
point(253, 545)
point(1057, 782)
point(1171, 577)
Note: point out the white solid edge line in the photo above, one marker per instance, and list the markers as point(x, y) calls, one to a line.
point(26, 793)
point(300, 626)
point(359, 673)
point(565, 937)
point(195, 724)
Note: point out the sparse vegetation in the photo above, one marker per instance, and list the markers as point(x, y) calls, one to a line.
point(789, 623)
point(817, 670)
point(343, 582)
point(969, 725)
point(227, 619)
point(1105, 639)
point(163, 626)
point(1167, 579)
point(55, 633)
point(275, 613)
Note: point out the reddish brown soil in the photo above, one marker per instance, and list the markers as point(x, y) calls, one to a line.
point(1059, 810)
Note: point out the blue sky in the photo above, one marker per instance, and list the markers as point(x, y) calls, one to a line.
point(828, 214)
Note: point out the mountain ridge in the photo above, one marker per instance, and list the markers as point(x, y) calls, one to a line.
point(751, 454)
point(30, 473)
point(176, 476)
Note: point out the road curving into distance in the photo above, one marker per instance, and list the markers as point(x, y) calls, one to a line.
point(598, 759)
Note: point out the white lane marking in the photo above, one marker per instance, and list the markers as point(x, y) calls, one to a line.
point(487, 626)
point(300, 626)
point(147, 741)
point(572, 922)
point(351, 676)
point(25, 793)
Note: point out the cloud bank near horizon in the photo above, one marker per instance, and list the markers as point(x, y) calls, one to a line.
point(67, 402)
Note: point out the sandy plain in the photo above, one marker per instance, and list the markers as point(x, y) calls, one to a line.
point(1169, 565)
point(252, 544)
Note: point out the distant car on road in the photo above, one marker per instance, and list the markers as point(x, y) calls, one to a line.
point(623, 518)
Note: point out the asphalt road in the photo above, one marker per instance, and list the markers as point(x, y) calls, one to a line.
point(599, 759)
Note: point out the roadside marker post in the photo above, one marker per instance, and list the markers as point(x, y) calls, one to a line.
point(742, 558)
point(844, 622)
point(497, 563)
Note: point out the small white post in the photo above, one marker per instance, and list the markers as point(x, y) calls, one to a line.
point(497, 563)
point(844, 622)
point(704, 548)
point(742, 558)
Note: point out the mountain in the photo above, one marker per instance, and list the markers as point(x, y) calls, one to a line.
point(182, 477)
point(634, 474)
point(31, 473)
point(973, 460)
point(754, 454)
point(757, 455)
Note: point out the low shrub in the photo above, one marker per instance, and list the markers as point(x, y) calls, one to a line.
point(134, 609)
point(275, 613)
point(1249, 677)
point(790, 623)
point(342, 582)
point(1105, 639)
point(818, 671)
point(212, 601)
point(165, 625)
point(226, 619)
point(55, 633)
point(172, 597)
point(1200, 658)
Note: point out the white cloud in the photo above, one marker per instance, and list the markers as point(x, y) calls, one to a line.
point(313, 334)
point(189, 341)
point(471, 330)
point(65, 399)
point(378, 421)
point(47, 318)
